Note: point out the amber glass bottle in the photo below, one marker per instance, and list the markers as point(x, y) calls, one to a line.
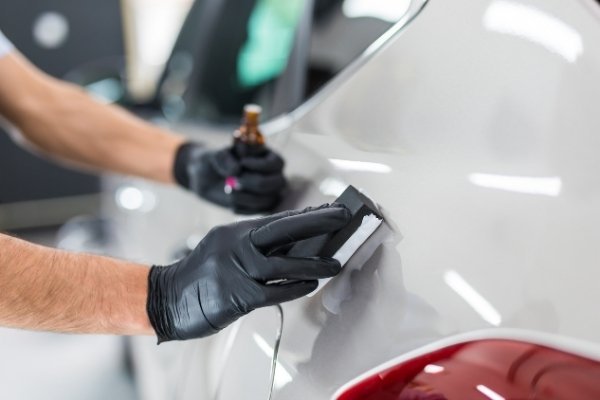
point(247, 139)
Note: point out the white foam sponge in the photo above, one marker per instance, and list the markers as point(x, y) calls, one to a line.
point(369, 224)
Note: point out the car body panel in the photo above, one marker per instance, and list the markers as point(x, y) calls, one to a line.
point(476, 130)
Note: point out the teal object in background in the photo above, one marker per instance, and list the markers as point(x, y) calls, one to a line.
point(270, 39)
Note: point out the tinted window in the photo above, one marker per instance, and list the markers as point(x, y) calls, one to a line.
point(271, 52)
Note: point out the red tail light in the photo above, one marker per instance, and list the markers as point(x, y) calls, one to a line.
point(486, 370)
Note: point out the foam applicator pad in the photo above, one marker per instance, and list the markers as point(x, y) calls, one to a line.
point(366, 218)
point(369, 224)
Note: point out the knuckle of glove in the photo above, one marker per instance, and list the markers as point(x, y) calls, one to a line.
point(275, 158)
point(262, 299)
point(219, 232)
point(262, 183)
point(224, 163)
point(279, 163)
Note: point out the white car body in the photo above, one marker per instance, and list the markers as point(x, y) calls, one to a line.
point(476, 127)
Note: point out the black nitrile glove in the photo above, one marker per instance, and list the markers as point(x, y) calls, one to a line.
point(231, 272)
point(257, 181)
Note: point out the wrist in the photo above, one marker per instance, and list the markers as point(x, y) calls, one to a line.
point(161, 308)
point(156, 309)
point(140, 322)
point(125, 301)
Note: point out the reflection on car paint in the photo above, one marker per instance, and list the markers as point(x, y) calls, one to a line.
point(535, 25)
point(486, 370)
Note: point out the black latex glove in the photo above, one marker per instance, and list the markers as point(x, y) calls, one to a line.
point(226, 275)
point(260, 178)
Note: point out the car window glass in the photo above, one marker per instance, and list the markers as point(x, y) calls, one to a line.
point(274, 53)
point(342, 30)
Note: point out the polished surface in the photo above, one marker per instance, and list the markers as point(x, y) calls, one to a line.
point(477, 133)
point(485, 143)
point(486, 369)
point(480, 146)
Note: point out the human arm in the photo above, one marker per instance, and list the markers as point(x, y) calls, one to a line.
point(229, 274)
point(53, 290)
point(61, 120)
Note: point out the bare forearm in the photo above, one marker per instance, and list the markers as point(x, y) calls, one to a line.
point(52, 290)
point(63, 121)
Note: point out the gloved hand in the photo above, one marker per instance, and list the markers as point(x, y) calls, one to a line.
point(229, 273)
point(255, 182)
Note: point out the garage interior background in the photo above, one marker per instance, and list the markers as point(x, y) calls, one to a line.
point(98, 43)
point(131, 40)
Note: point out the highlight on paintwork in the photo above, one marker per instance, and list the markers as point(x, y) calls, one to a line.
point(545, 186)
point(472, 297)
point(534, 25)
point(385, 10)
point(360, 166)
point(282, 375)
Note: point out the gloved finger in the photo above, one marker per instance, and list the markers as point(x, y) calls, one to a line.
point(274, 217)
point(251, 211)
point(261, 183)
point(301, 226)
point(297, 268)
point(224, 163)
point(250, 202)
point(267, 164)
point(284, 250)
point(216, 195)
point(276, 294)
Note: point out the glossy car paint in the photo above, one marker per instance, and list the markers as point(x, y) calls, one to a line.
point(485, 368)
point(476, 129)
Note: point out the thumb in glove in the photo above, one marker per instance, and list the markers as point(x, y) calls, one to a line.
point(257, 181)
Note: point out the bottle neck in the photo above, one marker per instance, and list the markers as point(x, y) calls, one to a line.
point(251, 119)
point(249, 132)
